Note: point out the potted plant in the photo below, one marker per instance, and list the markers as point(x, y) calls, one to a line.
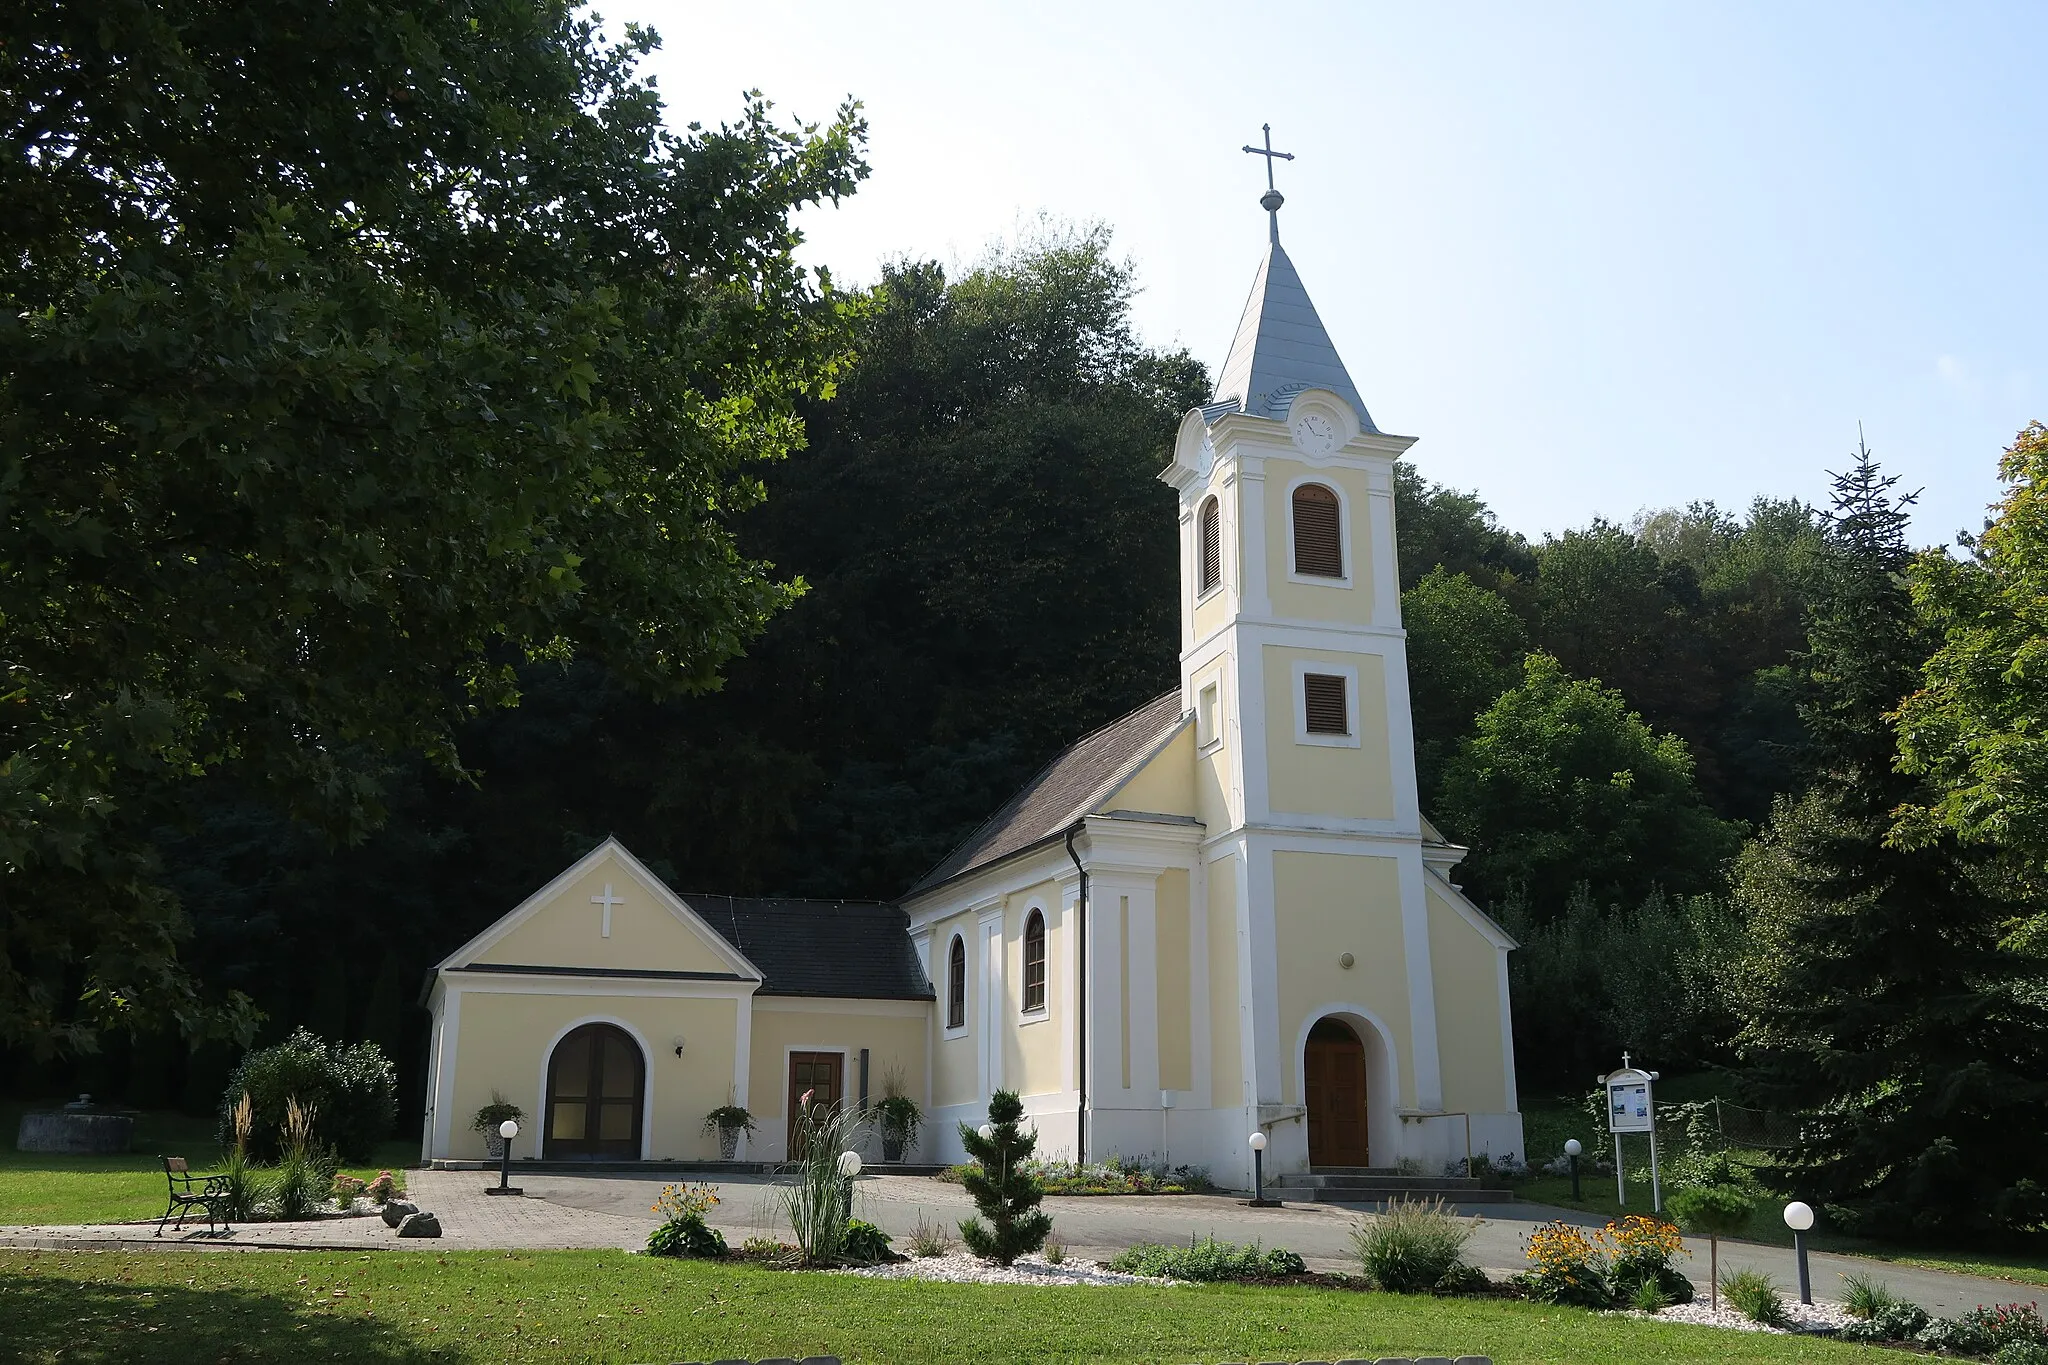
point(730, 1120)
point(898, 1115)
point(489, 1117)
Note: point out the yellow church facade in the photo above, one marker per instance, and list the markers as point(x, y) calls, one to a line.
point(1222, 913)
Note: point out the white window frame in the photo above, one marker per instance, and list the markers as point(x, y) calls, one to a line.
point(1043, 1012)
point(1348, 672)
point(1343, 533)
point(1209, 728)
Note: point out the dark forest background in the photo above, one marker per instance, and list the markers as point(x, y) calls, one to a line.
point(989, 565)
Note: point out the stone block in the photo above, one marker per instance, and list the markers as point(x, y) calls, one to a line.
point(426, 1225)
point(821, 1360)
point(1394, 1360)
point(778, 1360)
point(1432, 1360)
point(1473, 1360)
point(395, 1211)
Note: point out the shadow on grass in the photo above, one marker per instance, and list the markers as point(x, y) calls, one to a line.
point(54, 1319)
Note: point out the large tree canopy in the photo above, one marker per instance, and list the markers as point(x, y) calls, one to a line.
point(349, 355)
point(1977, 727)
point(1560, 785)
point(1872, 993)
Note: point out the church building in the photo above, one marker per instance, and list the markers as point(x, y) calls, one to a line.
point(1222, 913)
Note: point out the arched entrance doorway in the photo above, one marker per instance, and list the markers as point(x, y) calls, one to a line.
point(1334, 1089)
point(597, 1088)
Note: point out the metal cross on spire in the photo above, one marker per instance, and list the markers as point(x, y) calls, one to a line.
point(1272, 199)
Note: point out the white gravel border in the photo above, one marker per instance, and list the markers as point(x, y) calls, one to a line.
point(1802, 1317)
point(960, 1267)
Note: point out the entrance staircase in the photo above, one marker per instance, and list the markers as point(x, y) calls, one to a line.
point(1377, 1185)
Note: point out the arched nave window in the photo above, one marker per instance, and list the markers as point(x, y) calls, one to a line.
point(1034, 962)
point(956, 984)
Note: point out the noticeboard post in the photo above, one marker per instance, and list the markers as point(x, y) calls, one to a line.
point(1631, 1108)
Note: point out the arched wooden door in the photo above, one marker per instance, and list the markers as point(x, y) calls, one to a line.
point(1334, 1072)
point(597, 1088)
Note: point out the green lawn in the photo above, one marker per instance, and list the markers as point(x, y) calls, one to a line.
point(93, 1307)
point(39, 1188)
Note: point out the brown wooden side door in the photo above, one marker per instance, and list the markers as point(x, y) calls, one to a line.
point(1334, 1071)
point(823, 1075)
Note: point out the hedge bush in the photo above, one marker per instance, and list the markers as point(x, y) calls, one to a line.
point(353, 1086)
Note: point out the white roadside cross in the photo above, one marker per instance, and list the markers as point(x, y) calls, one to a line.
point(607, 900)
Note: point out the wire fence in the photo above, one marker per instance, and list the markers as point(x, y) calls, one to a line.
point(1760, 1128)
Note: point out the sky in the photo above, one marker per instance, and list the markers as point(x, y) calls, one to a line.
point(1598, 258)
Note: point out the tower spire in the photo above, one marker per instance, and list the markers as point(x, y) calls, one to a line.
point(1272, 199)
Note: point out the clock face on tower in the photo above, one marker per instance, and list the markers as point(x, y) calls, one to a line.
point(1315, 433)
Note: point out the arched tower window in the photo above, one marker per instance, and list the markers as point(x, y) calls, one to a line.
point(1210, 523)
point(1034, 961)
point(956, 984)
point(1318, 539)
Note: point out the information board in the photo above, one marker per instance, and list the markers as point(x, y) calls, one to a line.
point(1628, 1105)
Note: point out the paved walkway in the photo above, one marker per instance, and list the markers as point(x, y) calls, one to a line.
point(607, 1212)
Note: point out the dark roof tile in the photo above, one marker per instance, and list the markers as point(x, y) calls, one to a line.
point(845, 949)
point(1064, 790)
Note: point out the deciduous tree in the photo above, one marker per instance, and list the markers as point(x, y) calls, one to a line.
point(349, 355)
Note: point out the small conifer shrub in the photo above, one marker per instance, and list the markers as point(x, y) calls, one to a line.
point(1005, 1191)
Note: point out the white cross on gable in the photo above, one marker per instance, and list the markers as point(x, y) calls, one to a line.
point(607, 900)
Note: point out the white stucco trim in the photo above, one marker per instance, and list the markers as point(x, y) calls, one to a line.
point(990, 943)
point(547, 1054)
point(610, 848)
point(743, 1063)
point(448, 1030)
point(608, 987)
point(1428, 1059)
point(1507, 1034)
point(1344, 552)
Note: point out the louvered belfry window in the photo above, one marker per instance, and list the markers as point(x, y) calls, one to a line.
point(1212, 545)
point(1322, 699)
point(1034, 962)
point(956, 984)
point(1318, 544)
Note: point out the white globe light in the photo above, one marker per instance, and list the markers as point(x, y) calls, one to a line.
point(1571, 1147)
point(1258, 1141)
point(508, 1130)
point(1798, 1216)
point(987, 1131)
point(849, 1164)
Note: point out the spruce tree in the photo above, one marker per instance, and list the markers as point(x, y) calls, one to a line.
point(1006, 1194)
point(1875, 1001)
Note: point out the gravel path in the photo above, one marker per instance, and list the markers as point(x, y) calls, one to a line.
point(960, 1268)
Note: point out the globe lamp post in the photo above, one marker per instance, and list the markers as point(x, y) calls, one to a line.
point(507, 1130)
point(1571, 1154)
point(1799, 1218)
point(1258, 1199)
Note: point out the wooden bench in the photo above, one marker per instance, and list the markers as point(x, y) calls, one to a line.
point(190, 1192)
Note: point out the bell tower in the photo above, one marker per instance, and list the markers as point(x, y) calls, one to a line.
point(1316, 859)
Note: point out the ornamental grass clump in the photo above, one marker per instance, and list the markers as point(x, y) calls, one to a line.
point(245, 1186)
point(305, 1175)
point(1755, 1295)
point(1414, 1247)
point(1004, 1190)
point(815, 1196)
